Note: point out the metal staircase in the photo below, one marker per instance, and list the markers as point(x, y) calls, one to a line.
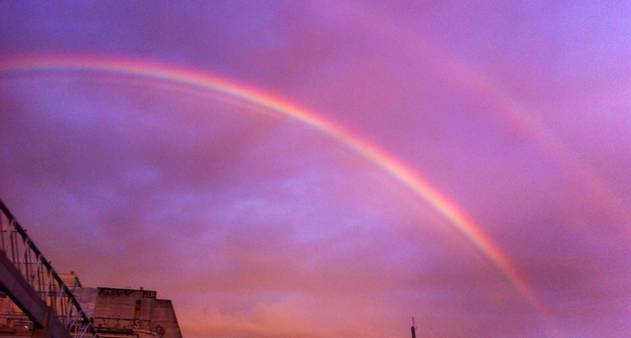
point(32, 283)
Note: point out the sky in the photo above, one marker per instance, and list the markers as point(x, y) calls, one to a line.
point(462, 163)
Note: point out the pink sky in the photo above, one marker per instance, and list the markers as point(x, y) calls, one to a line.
point(258, 225)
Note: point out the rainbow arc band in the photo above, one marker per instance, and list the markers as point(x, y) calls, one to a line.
point(387, 162)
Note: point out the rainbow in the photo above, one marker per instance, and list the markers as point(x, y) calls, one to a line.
point(387, 162)
point(522, 118)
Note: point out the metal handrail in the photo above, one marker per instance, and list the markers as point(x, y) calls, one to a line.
point(41, 275)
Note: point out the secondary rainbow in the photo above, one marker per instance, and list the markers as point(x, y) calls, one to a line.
point(394, 167)
point(521, 117)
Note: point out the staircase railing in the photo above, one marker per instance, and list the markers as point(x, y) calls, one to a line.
point(41, 276)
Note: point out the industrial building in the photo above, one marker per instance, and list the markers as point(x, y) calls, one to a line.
point(37, 301)
point(114, 312)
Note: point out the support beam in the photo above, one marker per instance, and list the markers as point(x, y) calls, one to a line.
point(46, 323)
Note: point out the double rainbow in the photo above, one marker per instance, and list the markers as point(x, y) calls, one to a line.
point(387, 162)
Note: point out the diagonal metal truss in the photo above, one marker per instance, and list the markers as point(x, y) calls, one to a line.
point(40, 275)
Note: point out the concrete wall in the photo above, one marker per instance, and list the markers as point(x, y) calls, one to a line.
point(131, 312)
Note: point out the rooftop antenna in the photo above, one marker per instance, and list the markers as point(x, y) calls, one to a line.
point(413, 328)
